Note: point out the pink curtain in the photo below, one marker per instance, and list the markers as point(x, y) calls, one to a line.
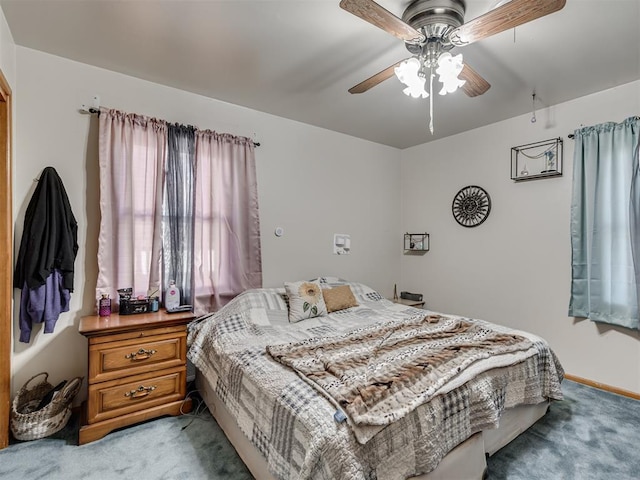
point(131, 152)
point(227, 227)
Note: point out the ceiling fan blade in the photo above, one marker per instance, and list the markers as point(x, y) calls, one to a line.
point(375, 79)
point(505, 17)
point(371, 12)
point(475, 85)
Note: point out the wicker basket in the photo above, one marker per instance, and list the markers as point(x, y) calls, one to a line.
point(27, 424)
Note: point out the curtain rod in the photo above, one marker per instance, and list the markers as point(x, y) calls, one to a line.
point(572, 136)
point(96, 111)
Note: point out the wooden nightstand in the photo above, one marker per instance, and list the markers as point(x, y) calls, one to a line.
point(410, 303)
point(137, 370)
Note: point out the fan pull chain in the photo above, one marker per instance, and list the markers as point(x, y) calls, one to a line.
point(431, 75)
point(533, 108)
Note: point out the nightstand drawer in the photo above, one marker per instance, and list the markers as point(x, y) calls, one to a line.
point(118, 397)
point(135, 334)
point(108, 361)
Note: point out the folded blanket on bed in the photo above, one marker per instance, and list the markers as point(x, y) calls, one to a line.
point(379, 373)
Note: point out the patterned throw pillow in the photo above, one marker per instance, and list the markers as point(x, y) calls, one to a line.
point(339, 298)
point(305, 300)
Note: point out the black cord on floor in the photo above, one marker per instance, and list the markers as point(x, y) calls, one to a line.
point(198, 406)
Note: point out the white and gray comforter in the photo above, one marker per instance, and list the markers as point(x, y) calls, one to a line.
point(293, 425)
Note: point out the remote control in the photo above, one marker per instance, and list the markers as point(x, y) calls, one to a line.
point(181, 308)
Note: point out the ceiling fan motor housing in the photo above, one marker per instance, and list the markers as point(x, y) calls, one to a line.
point(435, 18)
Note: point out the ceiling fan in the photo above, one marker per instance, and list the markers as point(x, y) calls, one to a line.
point(430, 29)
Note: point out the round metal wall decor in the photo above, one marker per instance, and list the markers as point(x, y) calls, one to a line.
point(471, 206)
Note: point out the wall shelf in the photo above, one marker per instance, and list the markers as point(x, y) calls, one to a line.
point(416, 242)
point(537, 160)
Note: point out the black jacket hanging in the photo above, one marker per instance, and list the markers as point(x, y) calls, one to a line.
point(50, 235)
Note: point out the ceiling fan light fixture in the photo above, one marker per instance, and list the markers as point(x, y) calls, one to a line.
point(449, 67)
point(408, 73)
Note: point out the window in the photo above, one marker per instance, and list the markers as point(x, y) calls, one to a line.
point(173, 197)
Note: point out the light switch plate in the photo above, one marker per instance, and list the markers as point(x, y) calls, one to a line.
point(341, 244)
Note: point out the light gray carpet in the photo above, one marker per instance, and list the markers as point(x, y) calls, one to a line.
point(591, 435)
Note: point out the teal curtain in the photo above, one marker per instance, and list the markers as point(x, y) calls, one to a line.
point(605, 218)
point(634, 216)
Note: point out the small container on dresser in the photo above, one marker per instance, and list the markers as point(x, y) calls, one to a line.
point(104, 305)
point(137, 370)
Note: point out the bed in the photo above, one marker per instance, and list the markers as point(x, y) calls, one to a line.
point(258, 374)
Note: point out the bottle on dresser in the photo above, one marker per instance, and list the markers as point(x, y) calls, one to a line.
point(172, 296)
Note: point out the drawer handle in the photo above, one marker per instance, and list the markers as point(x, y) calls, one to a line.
point(141, 391)
point(141, 354)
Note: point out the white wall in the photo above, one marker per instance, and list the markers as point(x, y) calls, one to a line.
point(312, 182)
point(515, 268)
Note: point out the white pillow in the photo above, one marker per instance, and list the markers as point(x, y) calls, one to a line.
point(305, 300)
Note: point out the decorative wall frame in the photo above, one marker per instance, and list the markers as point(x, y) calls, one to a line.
point(537, 160)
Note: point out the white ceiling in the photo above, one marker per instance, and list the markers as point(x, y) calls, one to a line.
point(298, 58)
